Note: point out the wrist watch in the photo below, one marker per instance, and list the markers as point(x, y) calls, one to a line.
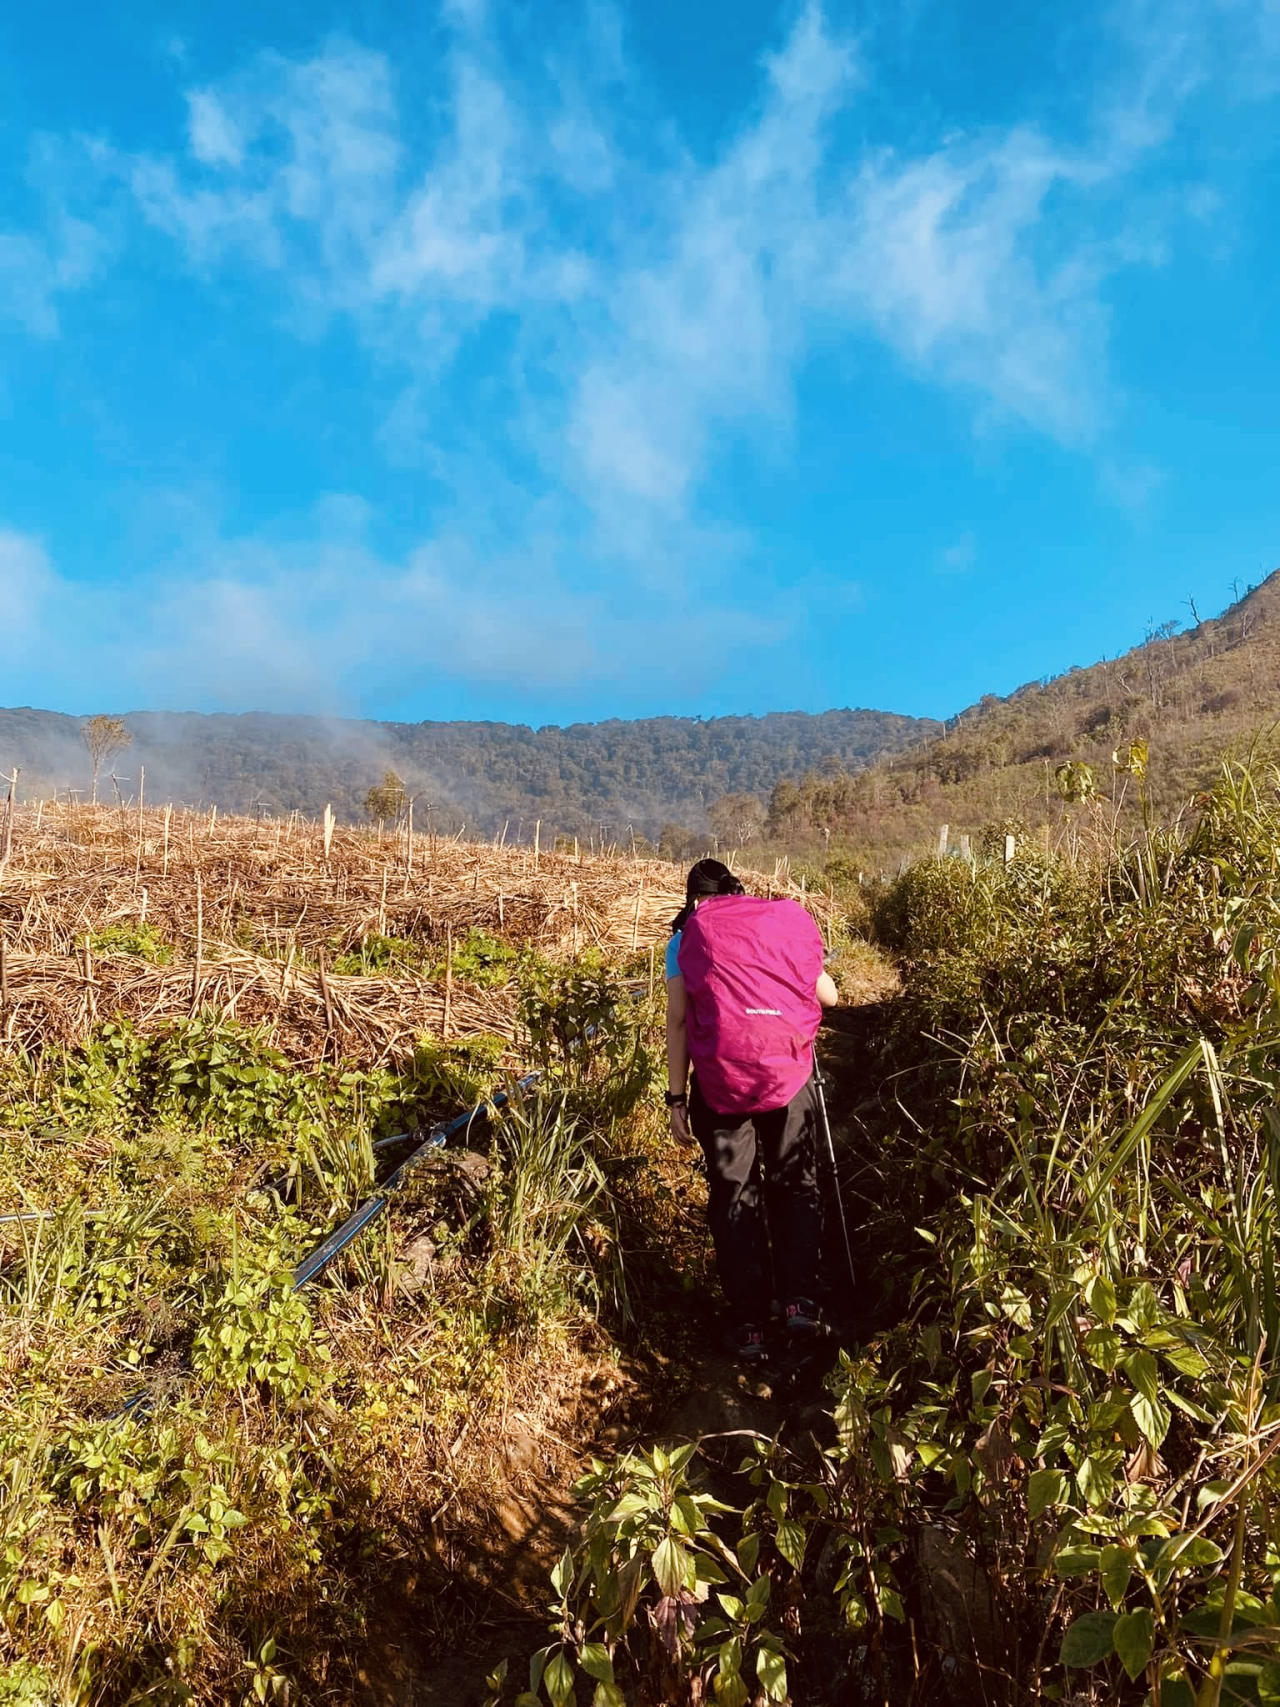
point(674, 1101)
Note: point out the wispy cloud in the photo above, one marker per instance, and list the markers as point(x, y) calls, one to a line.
point(37, 270)
point(655, 307)
point(960, 556)
point(302, 623)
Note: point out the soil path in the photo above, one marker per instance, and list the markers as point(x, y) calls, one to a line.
point(439, 1656)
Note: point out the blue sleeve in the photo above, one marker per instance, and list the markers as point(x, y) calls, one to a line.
point(673, 956)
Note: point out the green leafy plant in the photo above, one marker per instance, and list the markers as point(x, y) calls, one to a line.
point(653, 1604)
point(141, 940)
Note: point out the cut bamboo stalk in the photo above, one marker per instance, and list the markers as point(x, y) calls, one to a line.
point(8, 818)
point(137, 852)
point(195, 970)
point(328, 1003)
point(90, 999)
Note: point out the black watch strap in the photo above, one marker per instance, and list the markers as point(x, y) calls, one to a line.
point(674, 1101)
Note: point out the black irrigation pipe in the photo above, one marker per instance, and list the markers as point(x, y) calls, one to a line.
point(369, 1211)
point(140, 1404)
point(372, 1208)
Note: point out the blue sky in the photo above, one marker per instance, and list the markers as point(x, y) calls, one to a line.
point(567, 360)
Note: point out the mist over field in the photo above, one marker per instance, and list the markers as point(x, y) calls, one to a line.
point(485, 775)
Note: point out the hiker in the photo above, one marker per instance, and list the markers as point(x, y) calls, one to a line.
point(745, 993)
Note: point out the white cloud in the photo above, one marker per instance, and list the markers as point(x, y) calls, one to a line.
point(319, 621)
point(1132, 485)
point(215, 137)
point(708, 331)
point(37, 270)
point(656, 306)
point(669, 300)
point(959, 557)
point(26, 583)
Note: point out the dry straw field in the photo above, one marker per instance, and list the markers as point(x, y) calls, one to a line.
point(249, 918)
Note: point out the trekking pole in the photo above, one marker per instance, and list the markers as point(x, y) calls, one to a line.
point(835, 1175)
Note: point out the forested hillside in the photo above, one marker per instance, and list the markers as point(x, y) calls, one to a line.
point(1189, 695)
point(616, 774)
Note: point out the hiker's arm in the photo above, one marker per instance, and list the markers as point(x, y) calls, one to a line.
point(678, 1058)
point(826, 991)
point(677, 1038)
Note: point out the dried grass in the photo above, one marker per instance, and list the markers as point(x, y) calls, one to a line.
point(255, 911)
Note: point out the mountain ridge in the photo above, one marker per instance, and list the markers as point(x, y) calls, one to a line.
point(1190, 694)
point(621, 773)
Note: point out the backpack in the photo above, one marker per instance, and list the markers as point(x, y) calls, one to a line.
point(750, 970)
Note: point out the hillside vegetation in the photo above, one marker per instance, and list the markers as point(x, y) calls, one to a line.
point(1048, 1468)
point(1188, 696)
point(591, 780)
point(1046, 1463)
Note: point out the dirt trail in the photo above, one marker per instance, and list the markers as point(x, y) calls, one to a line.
point(439, 1657)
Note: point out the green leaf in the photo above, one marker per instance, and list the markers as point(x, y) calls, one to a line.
point(1151, 1416)
point(749, 1552)
point(1095, 1481)
point(1100, 1296)
point(608, 1695)
point(1184, 1552)
point(1141, 1369)
point(558, 1680)
point(1089, 1639)
point(1076, 1561)
point(1116, 1567)
point(670, 1562)
point(791, 1539)
point(730, 1689)
point(1133, 1636)
point(685, 1516)
point(758, 1593)
point(1016, 1306)
point(1054, 1438)
point(1269, 1684)
point(1103, 1347)
point(562, 1575)
point(771, 1669)
point(594, 1660)
point(1062, 1301)
point(1175, 1691)
point(537, 1665)
point(1045, 1488)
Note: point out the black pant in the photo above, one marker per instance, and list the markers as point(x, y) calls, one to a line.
point(735, 1145)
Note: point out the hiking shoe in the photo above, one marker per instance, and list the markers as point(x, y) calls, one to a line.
point(748, 1344)
point(803, 1320)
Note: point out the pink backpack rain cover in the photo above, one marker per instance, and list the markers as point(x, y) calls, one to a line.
point(750, 970)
